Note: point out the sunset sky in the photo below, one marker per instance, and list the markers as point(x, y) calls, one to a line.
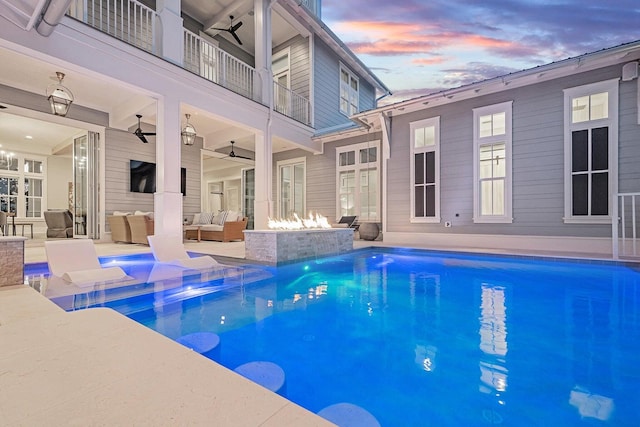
point(422, 46)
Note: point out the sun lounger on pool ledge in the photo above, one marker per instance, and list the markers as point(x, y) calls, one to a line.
point(170, 250)
point(76, 262)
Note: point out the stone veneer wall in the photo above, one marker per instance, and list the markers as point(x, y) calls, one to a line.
point(278, 246)
point(11, 260)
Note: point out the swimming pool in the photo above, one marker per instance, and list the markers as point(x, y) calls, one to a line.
point(421, 338)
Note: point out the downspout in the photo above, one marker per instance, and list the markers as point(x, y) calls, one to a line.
point(51, 16)
point(385, 126)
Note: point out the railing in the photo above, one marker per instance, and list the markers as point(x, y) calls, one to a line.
point(291, 104)
point(624, 225)
point(127, 20)
point(216, 65)
point(311, 6)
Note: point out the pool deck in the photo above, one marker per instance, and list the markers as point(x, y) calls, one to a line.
point(97, 367)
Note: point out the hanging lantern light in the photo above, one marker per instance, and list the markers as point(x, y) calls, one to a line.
point(60, 98)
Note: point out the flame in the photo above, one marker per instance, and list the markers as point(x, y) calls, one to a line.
point(314, 221)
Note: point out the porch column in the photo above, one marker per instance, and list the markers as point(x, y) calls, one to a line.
point(263, 208)
point(168, 198)
point(169, 31)
point(262, 22)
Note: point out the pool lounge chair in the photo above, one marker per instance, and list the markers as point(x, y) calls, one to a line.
point(76, 262)
point(170, 250)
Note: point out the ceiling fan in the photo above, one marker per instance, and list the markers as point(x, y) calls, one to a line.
point(232, 29)
point(237, 156)
point(142, 135)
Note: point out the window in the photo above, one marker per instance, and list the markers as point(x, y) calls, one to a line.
point(425, 170)
point(358, 181)
point(590, 151)
point(22, 182)
point(291, 188)
point(492, 163)
point(349, 92)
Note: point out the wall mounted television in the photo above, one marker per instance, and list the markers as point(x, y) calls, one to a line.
point(142, 177)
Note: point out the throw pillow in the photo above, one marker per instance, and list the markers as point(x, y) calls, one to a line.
point(220, 218)
point(205, 218)
point(118, 213)
point(196, 219)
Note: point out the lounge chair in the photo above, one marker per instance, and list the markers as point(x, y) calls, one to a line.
point(170, 250)
point(346, 222)
point(76, 262)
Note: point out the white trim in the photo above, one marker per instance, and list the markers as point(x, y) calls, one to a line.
point(290, 162)
point(435, 122)
point(612, 88)
point(600, 246)
point(357, 167)
point(353, 76)
point(506, 138)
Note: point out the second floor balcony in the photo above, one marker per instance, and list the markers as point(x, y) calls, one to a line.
point(138, 25)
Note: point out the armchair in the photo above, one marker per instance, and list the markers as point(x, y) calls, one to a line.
point(59, 223)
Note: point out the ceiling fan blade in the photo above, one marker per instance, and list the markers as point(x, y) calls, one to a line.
point(142, 137)
point(235, 27)
point(235, 36)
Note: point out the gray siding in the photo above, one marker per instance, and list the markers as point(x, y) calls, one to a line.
point(123, 146)
point(321, 175)
point(538, 161)
point(300, 64)
point(327, 89)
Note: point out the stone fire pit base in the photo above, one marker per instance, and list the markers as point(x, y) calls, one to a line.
point(281, 246)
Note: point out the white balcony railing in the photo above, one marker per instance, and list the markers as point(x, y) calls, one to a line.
point(624, 227)
point(311, 5)
point(127, 20)
point(135, 24)
point(291, 104)
point(216, 65)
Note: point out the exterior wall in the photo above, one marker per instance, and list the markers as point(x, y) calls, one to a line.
point(300, 64)
point(321, 196)
point(538, 161)
point(124, 146)
point(327, 89)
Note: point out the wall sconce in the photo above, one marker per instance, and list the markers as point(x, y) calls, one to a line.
point(59, 97)
point(188, 132)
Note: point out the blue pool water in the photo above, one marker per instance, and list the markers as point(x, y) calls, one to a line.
point(424, 339)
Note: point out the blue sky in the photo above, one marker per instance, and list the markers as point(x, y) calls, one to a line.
point(418, 47)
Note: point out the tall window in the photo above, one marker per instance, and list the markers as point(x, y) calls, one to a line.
point(291, 188)
point(22, 182)
point(591, 122)
point(492, 163)
point(349, 92)
point(425, 170)
point(358, 180)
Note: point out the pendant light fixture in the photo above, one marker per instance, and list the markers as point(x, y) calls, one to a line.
point(188, 132)
point(60, 98)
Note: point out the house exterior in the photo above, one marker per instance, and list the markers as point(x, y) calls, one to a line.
point(265, 75)
point(535, 160)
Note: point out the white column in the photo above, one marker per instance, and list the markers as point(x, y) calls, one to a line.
point(168, 198)
point(262, 22)
point(169, 31)
point(263, 208)
point(263, 145)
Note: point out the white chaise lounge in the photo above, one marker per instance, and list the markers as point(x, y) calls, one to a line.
point(76, 262)
point(170, 250)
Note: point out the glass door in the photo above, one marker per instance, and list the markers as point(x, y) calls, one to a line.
point(291, 180)
point(248, 195)
point(85, 186)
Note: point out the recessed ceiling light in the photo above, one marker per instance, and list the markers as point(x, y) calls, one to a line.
point(28, 137)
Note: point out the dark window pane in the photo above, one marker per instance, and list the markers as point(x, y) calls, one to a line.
point(579, 151)
point(600, 149)
point(373, 154)
point(419, 169)
point(419, 201)
point(431, 167)
point(431, 200)
point(600, 194)
point(580, 195)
